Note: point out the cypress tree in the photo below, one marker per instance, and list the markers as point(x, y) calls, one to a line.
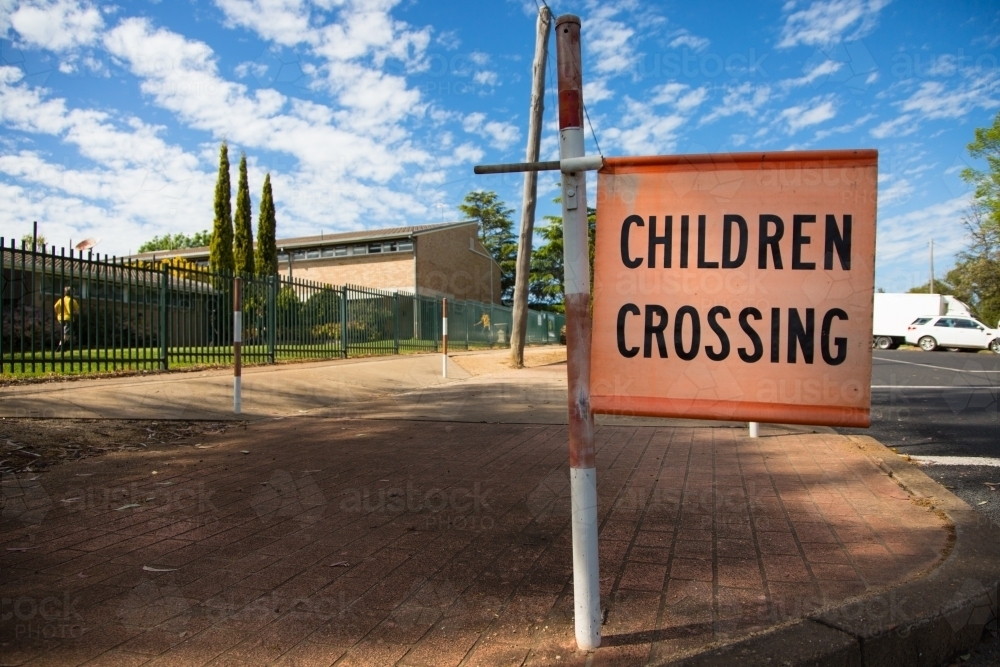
point(243, 234)
point(267, 248)
point(220, 256)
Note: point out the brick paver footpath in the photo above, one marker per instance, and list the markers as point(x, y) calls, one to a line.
point(372, 542)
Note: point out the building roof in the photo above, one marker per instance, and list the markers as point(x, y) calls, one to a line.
point(324, 239)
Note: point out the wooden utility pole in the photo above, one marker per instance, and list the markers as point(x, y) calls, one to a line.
point(523, 271)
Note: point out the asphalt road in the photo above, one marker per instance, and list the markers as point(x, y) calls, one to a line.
point(942, 404)
point(938, 406)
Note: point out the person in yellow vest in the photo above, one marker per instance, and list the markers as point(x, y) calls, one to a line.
point(67, 308)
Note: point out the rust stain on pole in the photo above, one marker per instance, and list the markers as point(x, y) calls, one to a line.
point(238, 333)
point(581, 421)
point(577, 265)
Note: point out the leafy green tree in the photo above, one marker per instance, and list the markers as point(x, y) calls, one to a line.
point(177, 241)
point(243, 233)
point(976, 275)
point(31, 243)
point(266, 258)
point(977, 271)
point(986, 182)
point(496, 232)
point(221, 252)
point(546, 289)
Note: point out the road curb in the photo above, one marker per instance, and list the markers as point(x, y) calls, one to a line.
point(920, 623)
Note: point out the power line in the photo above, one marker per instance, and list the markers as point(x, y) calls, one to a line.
point(592, 133)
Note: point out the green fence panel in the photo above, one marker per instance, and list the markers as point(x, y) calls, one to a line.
point(160, 315)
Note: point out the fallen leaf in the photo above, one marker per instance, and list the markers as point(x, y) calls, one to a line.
point(20, 548)
point(984, 502)
point(70, 500)
point(244, 451)
point(340, 563)
point(125, 507)
point(147, 568)
point(204, 446)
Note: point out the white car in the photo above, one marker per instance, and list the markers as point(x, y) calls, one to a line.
point(965, 333)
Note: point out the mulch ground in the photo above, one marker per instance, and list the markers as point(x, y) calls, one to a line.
point(35, 445)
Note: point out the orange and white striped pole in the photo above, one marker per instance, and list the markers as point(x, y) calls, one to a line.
point(237, 344)
point(576, 262)
point(444, 337)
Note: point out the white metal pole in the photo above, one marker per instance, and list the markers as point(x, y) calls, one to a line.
point(754, 430)
point(444, 337)
point(237, 345)
point(932, 267)
point(583, 472)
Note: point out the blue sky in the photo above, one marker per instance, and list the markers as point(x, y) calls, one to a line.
point(372, 113)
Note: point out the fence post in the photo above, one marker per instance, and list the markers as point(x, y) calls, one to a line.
point(164, 286)
point(237, 344)
point(395, 323)
point(343, 322)
point(444, 338)
point(271, 315)
point(437, 315)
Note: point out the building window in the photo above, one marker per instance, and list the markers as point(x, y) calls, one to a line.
point(389, 246)
point(405, 245)
point(299, 254)
point(312, 253)
point(282, 256)
point(340, 251)
point(360, 250)
point(374, 247)
point(327, 252)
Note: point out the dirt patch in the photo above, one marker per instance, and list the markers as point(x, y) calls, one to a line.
point(34, 445)
point(495, 361)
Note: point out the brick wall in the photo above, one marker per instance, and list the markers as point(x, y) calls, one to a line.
point(446, 266)
point(392, 271)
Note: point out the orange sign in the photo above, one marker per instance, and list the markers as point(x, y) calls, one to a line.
point(736, 287)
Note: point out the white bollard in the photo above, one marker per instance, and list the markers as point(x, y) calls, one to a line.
point(237, 345)
point(754, 430)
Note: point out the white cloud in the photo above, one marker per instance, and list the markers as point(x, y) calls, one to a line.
point(609, 42)
point(844, 129)
point(896, 191)
point(648, 129)
point(685, 38)
point(486, 78)
point(501, 135)
point(812, 112)
point(827, 22)
point(898, 127)
point(245, 69)
point(181, 76)
point(900, 236)
point(933, 100)
point(57, 25)
point(596, 90)
point(823, 69)
point(744, 98)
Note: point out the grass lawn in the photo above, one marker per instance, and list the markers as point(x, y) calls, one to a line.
point(75, 362)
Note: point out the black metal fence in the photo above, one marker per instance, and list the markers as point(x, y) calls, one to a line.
point(72, 313)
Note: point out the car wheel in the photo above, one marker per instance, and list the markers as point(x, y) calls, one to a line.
point(883, 343)
point(927, 344)
point(995, 345)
